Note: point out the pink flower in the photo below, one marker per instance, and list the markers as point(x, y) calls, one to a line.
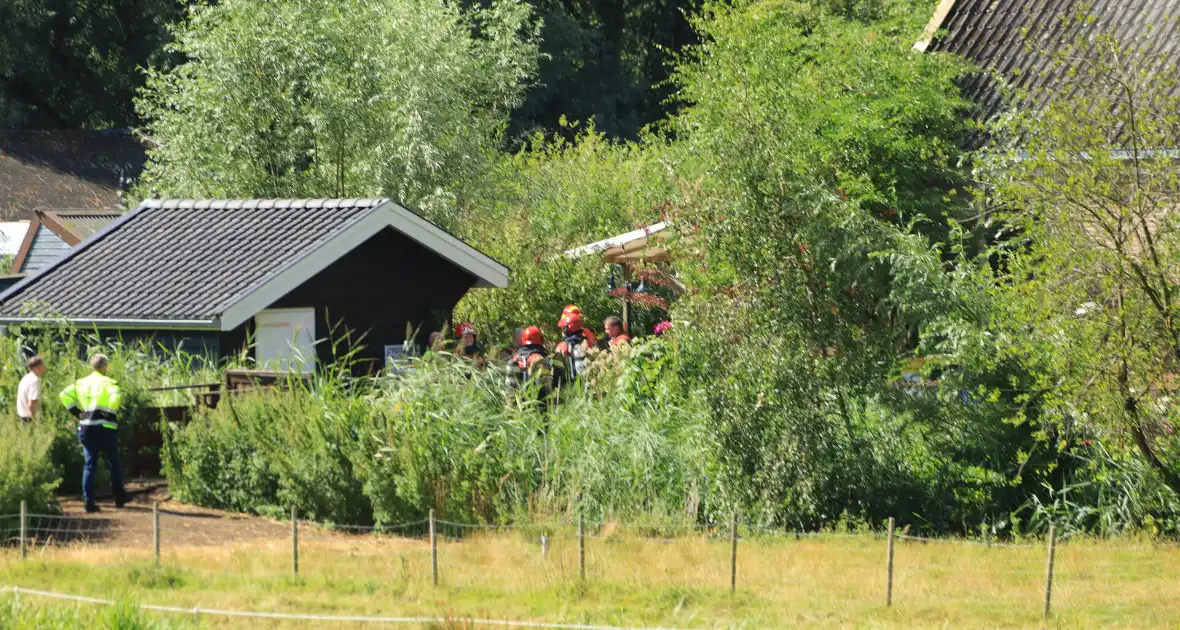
point(662, 327)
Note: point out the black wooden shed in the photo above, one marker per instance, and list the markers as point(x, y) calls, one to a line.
point(275, 278)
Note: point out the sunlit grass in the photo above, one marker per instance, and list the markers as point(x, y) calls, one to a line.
point(814, 582)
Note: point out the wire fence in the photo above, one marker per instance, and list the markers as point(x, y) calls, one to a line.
point(914, 567)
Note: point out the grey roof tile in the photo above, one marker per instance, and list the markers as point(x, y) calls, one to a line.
point(182, 259)
point(85, 223)
point(1017, 39)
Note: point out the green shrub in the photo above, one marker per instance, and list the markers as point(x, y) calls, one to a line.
point(28, 473)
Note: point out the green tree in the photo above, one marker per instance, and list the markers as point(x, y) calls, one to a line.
point(606, 60)
point(336, 99)
point(1088, 283)
point(78, 63)
point(823, 147)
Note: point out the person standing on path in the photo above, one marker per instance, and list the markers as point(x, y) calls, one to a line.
point(28, 393)
point(95, 401)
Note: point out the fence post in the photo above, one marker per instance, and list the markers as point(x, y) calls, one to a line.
point(733, 553)
point(889, 567)
point(294, 541)
point(1049, 568)
point(433, 549)
point(582, 547)
point(156, 531)
point(24, 530)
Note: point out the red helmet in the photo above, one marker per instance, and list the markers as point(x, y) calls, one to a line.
point(466, 328)
point(570, 308)
point(531, 336)
point(572, 321)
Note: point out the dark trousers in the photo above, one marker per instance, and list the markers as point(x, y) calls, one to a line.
point(100, 441)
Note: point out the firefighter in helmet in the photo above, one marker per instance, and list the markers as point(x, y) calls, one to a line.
point(570, 309)
point(574, 347)
point(530, 364)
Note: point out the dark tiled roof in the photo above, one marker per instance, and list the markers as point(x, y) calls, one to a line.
point(182, 260)
point(85, 223)
point(64, 169)
point(1017, 38)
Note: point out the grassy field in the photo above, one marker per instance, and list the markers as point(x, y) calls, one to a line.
point(681, 583)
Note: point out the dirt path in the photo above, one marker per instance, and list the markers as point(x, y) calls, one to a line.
point(185, 525)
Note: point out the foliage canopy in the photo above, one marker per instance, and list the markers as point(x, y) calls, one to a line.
point(393, 98)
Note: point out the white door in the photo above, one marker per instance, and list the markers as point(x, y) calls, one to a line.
point(284, 339)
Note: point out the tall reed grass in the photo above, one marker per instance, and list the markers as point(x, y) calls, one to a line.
point(443, 435)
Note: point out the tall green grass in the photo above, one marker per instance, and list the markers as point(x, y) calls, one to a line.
point(28, 472)
point(445, 436)
point(22, 614)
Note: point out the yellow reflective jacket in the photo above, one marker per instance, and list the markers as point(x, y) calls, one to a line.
point(94, 399)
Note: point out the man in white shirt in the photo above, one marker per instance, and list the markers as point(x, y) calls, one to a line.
point(28, 393)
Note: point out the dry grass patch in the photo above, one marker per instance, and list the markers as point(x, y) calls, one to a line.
point(814, 582)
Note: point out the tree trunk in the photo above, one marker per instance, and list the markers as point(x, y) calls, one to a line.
point(1169, 475)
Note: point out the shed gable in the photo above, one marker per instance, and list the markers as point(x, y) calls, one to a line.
point(45, 248)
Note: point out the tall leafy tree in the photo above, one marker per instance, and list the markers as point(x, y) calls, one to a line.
point(336, 99)
point(821, 146)
point(1087, 296)
point(607, 60)
point(78, 63)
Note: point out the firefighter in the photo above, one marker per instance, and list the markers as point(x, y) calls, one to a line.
point(570, 309)
point(616, 335)
point(574, 347)
point(469, 344)
point(530, 364)
point(96, 401)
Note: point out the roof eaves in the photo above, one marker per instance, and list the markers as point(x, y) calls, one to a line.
point(285, 278)
point(622, 240)
point(420, 218)
point(117, 323)
point(54, 223)
point(936, 20)
point(489, 272)
point(18, 261)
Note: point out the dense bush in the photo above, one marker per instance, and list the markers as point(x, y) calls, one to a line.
point(28, 473)
point(550, 197)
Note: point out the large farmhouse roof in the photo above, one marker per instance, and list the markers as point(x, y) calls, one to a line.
point(1017, 39)
point(65, 169)
point(214, 264)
